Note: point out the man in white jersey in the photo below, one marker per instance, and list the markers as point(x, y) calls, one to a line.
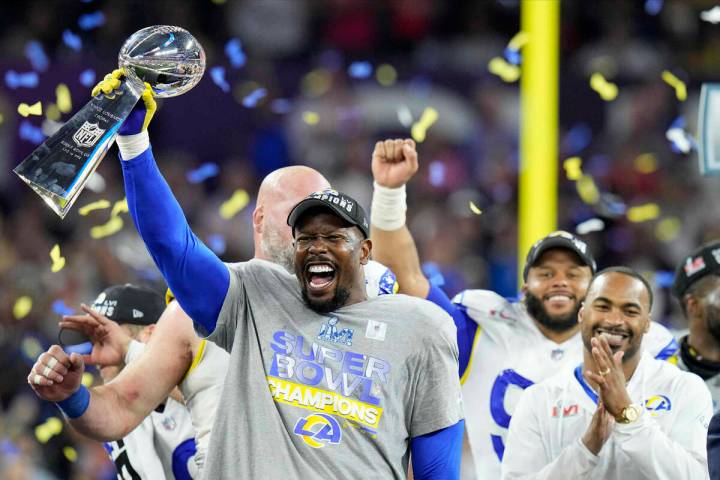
point(162, 444)
point(621, 414)
point(697, 288)
point(176, 355)
point(505, 346)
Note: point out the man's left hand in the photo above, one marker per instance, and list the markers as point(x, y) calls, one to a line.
point(610, 377)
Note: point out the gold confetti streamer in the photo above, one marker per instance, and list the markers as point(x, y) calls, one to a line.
point(311, 118)
point(114, 225)
point(45, 431)
point(70, 453)
point(420, 128)
point(643, 213)
point(235, 204)
point(87, 379)
point(99, 205)
point(120, 206)
point(518, 41)
point(386, 75)
point(608, 91)
point(506, 71)
point(62, 95)
point(35, 109)
point(22, 307)
point(676, 83)
point(475, 209)
point(52, 112)
point(58, 261)
point(668, 229)
point(573, 169)
point(645, 163)
point(31, 347)
point(587, 189)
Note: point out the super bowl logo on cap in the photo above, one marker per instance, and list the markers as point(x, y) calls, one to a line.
point(318, 430)
point(693, 265)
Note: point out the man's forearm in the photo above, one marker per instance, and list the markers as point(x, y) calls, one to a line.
point(574, 461)
point(108, 416)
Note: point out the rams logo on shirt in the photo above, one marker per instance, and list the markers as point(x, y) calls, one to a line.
point(657, 405)
point(318, 429)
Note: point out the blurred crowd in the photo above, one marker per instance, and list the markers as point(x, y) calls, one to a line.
point(327, 79)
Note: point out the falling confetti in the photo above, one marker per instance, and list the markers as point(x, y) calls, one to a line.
point(360, 69)
point(45, 431)
point(58, 261)
point(70, 454)
point(90, 21)
point(218, 77)
point(386, 75)
point(653, 7)
point(233, 50)
point(52, 112)
point(577, 138)
point(474, 208)
point(31, 347)
point(404, 116)
point(71, 40)
point(62, 95)
point(36, 54)
point(281, 105)
point(87, 379)
point(121, 206)
point(676, 83)
point(645, 163)
point(15, 80)
point(251, 100)
point(512, 51)
point(60, 308)
point(114, 225)
point(87, 77)
point(587, 189)
point(507, 72)
point(1, 119)
point(680, 140)
point(31, 133)
point(317, 82)
point(35, 109)
point(712, 15)
point(643, 213)
point(420, 128)
point(311, 118)
point(234, 204)
point(99, 205)
point(573, 169)
point(589, 226)
point(668, 229)
point(203, 172)
point(217, 243)
point(607, 90)
point(22, 307)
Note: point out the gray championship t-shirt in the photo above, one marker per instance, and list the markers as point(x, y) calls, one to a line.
point(327, 396)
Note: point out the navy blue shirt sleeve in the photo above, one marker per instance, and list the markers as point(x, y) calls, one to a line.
point(713, 447)
point(196, 276)
point(465, 326)
point(436, 455)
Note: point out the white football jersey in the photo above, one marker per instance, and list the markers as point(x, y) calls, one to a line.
point(379, 279)
point(161, 447)
point(509, 354)
point(667, 441)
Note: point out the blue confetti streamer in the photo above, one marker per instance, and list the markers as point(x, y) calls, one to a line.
point(87, 77)
point(218, 77)
point(664, 278)
point(512, 56)
point(576, 139)
point(360, 69)
point(59, 307)
point(433, 274)
point(15, 80)
point(281, 105)
point(653, 7)
point(254, 97)
point(36, 54)
point(203, 172)
point(90, 21)
point(217, 243)
point(72, 40)
point(233, 50)
point(31, 133)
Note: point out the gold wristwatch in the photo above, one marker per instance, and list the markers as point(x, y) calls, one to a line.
point(629, 414)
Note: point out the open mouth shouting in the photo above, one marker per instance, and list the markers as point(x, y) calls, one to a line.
point(320, 278)
point(616, 337)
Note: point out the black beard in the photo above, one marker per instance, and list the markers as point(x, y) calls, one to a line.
point(338, 300)
point(712, 317)
point(561, 324)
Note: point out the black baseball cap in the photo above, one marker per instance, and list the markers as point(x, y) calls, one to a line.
point(339, 203)
point(559, 239)
point(131, 304)
point(703, 261)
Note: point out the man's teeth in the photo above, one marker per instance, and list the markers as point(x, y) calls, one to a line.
point(559, 298)
point(320, 269)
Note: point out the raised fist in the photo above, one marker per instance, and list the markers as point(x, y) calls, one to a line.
point(394, 162)
point(55, 375)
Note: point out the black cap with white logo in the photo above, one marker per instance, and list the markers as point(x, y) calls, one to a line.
point(340, 204)
point(559, 239)
point(703, 261)
point(130, 304)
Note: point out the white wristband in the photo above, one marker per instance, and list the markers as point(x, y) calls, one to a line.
point(135, 349)
point(133, 145)
point(388, 208)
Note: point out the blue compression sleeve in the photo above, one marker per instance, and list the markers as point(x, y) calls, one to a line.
point(196, 276)
point(466, 328)
point(436, 455)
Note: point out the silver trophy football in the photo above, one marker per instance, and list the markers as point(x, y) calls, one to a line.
point(168, 58)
